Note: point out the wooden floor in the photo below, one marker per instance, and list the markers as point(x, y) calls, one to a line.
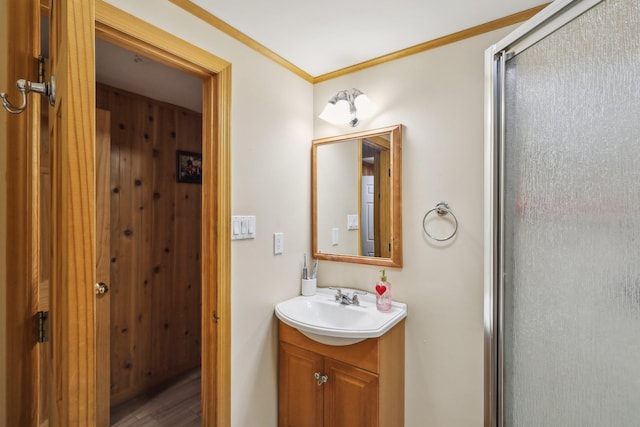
point(175, 405)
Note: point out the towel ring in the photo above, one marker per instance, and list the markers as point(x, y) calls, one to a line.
point(441, 209)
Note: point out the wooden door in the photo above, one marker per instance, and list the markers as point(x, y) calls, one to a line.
point(72, 400)
point(351, 396)
point(67, 395)
point(103, 266)
point(299, 396)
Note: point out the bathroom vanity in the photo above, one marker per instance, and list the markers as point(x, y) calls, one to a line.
point(357, 385)
point(341, 360)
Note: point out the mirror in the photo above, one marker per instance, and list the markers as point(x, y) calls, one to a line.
point(357, 197)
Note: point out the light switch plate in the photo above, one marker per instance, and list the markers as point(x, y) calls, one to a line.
point(278, 243)
point(352, 222)
point(243, 227)
point(335, 236)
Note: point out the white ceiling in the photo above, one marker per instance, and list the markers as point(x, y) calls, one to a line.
point(317, 37)
point(323, 36)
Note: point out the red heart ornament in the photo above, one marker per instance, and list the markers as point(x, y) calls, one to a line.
point(381, 289)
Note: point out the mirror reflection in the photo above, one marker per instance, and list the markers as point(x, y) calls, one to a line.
point(357, 197)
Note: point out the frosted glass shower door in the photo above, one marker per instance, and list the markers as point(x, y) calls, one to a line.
point(570, 215)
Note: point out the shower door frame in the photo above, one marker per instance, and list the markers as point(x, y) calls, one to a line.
point(553, 17)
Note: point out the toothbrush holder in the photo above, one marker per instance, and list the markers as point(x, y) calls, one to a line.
point(308, 287)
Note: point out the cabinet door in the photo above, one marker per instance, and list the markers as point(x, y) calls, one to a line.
point(351, 396)
point(300, 398)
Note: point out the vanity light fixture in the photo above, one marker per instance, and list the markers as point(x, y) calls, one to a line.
point(346, 106)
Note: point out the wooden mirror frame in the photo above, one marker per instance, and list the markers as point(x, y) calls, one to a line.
point(395, 197)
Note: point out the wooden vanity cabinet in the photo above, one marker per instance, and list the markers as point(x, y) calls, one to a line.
point(364, 385)
point(299, 402)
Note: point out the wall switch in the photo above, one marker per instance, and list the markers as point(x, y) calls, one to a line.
point(352, 222)
point(278, 243)
point(335, 236)
point(235, 230)
point(243, 227)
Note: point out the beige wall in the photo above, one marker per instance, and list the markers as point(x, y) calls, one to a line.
point(3, 197)
point(338, 195)
point(438, 97)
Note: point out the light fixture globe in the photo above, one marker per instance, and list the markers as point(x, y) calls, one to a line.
point(364, 106)
point(330, 113)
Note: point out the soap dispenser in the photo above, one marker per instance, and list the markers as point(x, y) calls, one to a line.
point(383, 293)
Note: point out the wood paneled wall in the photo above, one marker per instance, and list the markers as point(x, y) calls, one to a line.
point(155, 243)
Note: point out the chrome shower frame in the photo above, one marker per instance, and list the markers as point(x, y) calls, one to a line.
point(553, 17)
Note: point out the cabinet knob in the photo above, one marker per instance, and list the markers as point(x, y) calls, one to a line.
point(321, 378)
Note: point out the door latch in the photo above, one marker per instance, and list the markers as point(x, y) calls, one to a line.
point(101, 288)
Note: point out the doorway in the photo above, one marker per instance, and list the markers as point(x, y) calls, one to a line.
point(375, 189)
point(123, 30)
point(128, 32)
point(154, 237)
point(74, 362)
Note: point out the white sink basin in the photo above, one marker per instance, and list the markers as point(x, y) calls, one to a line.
point(322, 319)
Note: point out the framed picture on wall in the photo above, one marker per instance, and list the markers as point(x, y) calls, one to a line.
point(188, 167)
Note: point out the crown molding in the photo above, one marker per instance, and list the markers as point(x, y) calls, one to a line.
point(435, 43)
point(216, 22)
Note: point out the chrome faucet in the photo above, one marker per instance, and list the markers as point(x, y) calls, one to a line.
point(345, 299)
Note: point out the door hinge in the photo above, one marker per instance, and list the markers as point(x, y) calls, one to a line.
point(41, 70)
point(389, 247)
point(42, 333)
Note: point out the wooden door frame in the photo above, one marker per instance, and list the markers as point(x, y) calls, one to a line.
point(22, 232)
point(125, 30)
point(122, 29)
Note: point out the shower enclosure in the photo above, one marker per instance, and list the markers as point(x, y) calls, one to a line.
point(562, 219)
